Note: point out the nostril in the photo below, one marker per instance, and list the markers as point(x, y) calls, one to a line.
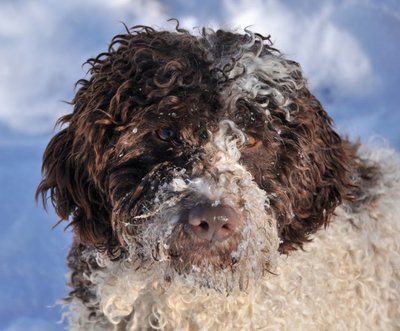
point(223, 233)
point(204, 226)
point(226, 227)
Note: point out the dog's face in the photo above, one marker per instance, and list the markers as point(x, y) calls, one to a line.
point(204, 154)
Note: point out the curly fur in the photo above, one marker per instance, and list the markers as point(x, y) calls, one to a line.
point(168, 121)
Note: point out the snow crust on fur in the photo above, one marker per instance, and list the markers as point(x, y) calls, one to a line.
point(347, 278)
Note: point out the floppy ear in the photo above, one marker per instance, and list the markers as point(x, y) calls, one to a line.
point(317, 170)
point(66, 182)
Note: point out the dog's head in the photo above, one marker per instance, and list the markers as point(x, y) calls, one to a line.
point(196, 152)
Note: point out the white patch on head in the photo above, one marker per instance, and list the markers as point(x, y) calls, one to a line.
point(262, 75)
point(260, 72)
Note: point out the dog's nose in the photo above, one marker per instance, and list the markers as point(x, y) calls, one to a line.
point(212, 223)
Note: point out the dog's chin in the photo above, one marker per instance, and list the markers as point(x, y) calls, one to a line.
point(218, 266)
point(203, 255)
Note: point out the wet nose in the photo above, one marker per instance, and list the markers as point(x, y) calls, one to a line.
point(212, 223)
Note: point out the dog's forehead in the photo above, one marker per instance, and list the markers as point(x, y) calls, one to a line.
point(241, 79)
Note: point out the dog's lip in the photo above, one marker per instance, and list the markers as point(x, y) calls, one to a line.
point(206, 251)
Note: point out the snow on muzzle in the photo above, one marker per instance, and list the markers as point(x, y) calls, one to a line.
point(211, 222)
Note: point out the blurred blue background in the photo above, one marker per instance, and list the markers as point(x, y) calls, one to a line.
point(349, 50)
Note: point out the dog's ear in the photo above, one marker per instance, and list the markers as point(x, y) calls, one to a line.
point(316, 168)
point(66, 182)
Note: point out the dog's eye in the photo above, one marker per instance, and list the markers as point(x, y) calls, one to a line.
point(166, 134)
point(251, 141)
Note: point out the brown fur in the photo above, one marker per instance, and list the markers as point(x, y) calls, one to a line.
point(150, 80)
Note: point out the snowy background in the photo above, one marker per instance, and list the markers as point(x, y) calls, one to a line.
point(349, 50)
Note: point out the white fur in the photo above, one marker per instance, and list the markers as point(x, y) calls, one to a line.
point(347, 278)
point(268, 76)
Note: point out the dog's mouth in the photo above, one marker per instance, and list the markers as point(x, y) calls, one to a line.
point(187, 254)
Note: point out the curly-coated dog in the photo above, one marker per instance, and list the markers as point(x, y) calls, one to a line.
point(208, 190)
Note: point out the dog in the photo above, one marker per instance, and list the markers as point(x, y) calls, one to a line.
point(208, 189)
